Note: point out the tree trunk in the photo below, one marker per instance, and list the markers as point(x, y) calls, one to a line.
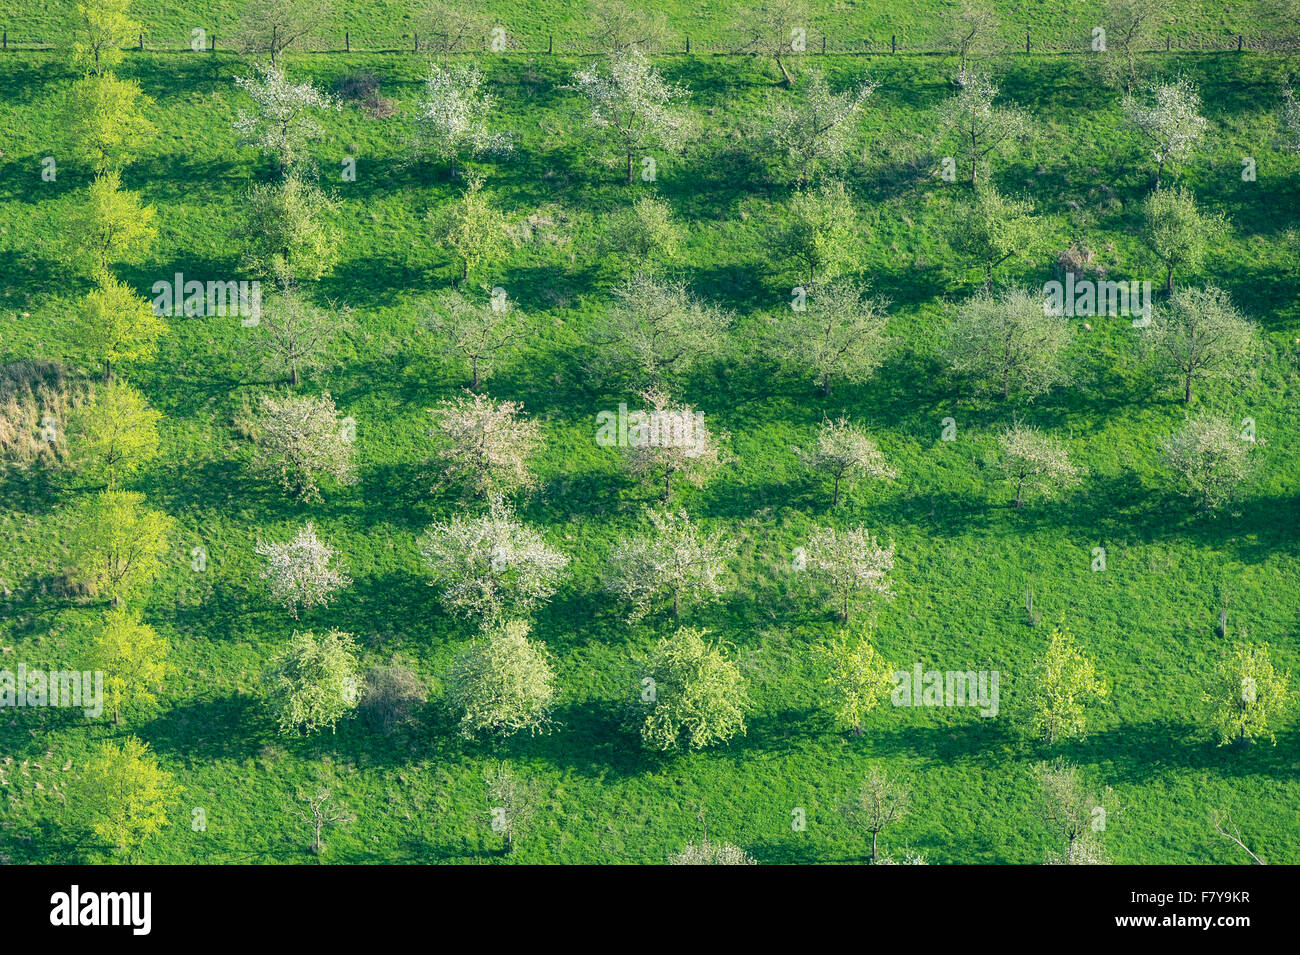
point(108, 370)
point(668, 485)
point(1169, 279)
point(835, 499)
point(473, 385)
point(873, 847)
point(677, 603)
point(1187, 390)
point(453, 167)
point(789, 80)
point(629, 169)
point(293, 374)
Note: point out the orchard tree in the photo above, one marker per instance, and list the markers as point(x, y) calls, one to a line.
point(445, 28)
point(1177, 232)
point(314, 682)
point(491, 566)
point(284, 119)
point(973, 33)
point(319, 812)
point(815, 133)
point(294, 334)
point(1035, 464)
point(833, 332)
point(692, 693)
point(472, 229)
point(1210, 460)
point(707, 852)
point(774, 29)
point(115, 434)
point(1247, 695)
point(676, 559)
point(1132, 26)
point(1008, 343)
point(1199, 335)
point(643, 236)
point(1063, 684)
point(977, 126)
point(1168, 118)
point(993, 229)
point(484, 445)
point(1072, 814)
point(299, 441)
point(845, 452)
point(501, 683)
point(1289, 121)
point(111, 225)
point(882, 801)
point(289, 232)
point(107, 126)
point(453, 116)
point(859, 677)
point(100, 29)
point(632, 106)
point(656, 330)
point(124, 793)
point(272, 26)
point(134, 661)
point(118, 325)
point(615, 27)
point(303, 572)
point(475, 336)
point(118, 544)
point(819, 230)
point(668, 440)
point(846, 565)
point(511, 802)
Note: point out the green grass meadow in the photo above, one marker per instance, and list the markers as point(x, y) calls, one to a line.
point(964, 555)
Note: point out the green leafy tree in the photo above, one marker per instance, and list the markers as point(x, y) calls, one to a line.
point(643, 236)
point(115, 435)
point(107, 125)
point(472, 229)
point(501, 683)
point(696, 694)
point(125, 793)
point(289, 231)
point(101, 28)
point(883, 800)
point(1177, 232)
point(837, 335)
point(111, 225)
point(1247, 695)
point(819, 229)
point(993, 229)
point(118, 545)
point(314, 682)
point(1007, 343)
point(859, 677)
point(1199, 335)
point(1063, 684)
point(134, 661)
point(118, 325)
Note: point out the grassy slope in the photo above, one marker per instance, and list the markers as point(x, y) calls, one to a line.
point(384, 23)
point(964, 557)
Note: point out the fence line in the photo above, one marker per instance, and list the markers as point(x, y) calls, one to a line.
point(816, 45)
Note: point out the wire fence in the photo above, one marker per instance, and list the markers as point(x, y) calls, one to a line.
point(813, 45)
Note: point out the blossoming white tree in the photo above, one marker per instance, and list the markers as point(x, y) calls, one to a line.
point(670, 440)
point(484, 445)
point(1209, 459)
point(676, 558)
point(978, 126)
point(302, 572)
point(453, 116)
point(301, 440)
point(1169, 118)
point(848, 565)
point(491, 565)
point(1034, 463)
point(845, 451)
point(284, 117)
point(633, 106)
point(815, 133)
point(1007, 343)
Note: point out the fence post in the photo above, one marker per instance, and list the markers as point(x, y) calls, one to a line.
point(688, 44)
point(347, 41)
point(1168, 43)
point(6, 40)
point(893, 43)
point(417, 43)
point(1026, 41)
point(550, 43)
point(142, 42)
point(1239, 39)
point(823, 45)
point(213, 47)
